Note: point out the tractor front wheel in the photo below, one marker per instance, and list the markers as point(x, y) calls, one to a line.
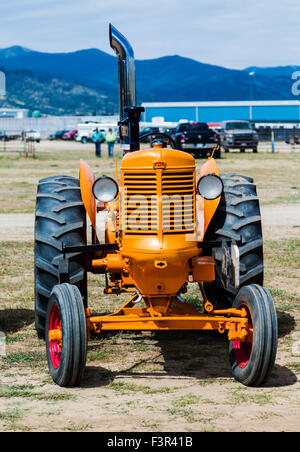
point(252, 361)
point(66, 335)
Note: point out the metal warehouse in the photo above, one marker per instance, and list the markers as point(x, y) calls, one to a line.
point(260, 111)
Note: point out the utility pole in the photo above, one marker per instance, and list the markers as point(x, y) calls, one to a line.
point(251, 75)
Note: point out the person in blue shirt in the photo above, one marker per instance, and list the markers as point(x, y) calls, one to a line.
point(97, 138)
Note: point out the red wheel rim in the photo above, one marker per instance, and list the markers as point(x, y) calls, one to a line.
point(242, 350)
point(55, 348)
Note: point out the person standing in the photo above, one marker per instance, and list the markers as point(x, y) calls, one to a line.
point(110, 140)
point(97, 138)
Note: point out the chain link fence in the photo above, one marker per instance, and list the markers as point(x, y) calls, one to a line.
point(279, 139)
point(15, 143)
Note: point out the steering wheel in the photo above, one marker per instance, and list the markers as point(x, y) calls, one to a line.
point(168, 140)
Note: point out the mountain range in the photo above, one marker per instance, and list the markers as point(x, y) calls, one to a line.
point(86, 81)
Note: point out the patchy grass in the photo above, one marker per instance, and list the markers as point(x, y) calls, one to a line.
point(25, 359)
point(284, 300)
point(185, 400)
point(10, 417)
point(283, 253)
point(26, 391)
point(245, 395)
point(132, 387)
point(295, 366)
point(19, 175)
point(276, 175)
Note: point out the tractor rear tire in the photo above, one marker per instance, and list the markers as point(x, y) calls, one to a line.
point(253, 361)
point(237, 218)
point(65, 313)
point(60, 219)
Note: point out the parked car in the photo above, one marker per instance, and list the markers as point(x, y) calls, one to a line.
point(69, 135)
point(293, 136)
point(238, 135)
point(32, 135)
point(196, 137)
point(57, 135)
point(4, 136)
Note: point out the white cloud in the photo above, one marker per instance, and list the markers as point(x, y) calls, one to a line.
point(232, 33)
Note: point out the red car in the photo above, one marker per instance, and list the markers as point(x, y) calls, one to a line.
point(69, 135)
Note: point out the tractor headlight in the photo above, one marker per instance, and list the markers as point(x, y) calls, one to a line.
point(105, 189)
point(210, 186)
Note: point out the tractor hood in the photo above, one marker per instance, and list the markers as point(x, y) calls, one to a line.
point(158, 158)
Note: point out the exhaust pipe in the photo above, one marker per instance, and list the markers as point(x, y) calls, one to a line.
point(126, 66)
point(130, 114)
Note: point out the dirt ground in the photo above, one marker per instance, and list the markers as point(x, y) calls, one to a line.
point(158, 382)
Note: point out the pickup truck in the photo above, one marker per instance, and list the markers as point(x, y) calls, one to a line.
point(32, 135)
point(238, 135)
point(196, 137)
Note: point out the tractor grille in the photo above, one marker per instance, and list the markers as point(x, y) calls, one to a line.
point(158, 201)
point(178, 202)
point(140, 203)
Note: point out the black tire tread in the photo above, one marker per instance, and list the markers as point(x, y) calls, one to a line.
point(74, 348)
point(60, 219)
point(237, 218)
point(272, 338)
point(261, 364)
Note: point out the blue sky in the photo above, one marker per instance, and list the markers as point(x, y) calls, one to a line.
point(230, 33)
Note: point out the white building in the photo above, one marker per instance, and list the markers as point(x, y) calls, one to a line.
point(14, 113)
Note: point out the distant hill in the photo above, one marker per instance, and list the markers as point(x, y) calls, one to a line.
point(92, 65)
point(54, 95)
point(86, 80)
point(175, 78)
point(279, 71)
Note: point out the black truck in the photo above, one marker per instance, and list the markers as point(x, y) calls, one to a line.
point(197, 138)
point(238, 135)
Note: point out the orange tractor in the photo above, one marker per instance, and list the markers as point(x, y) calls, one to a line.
point(166, 226)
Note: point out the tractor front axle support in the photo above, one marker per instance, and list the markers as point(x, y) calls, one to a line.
point(234, 321)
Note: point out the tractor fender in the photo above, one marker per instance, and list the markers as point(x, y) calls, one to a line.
point(209, 206)
point(87, 178)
